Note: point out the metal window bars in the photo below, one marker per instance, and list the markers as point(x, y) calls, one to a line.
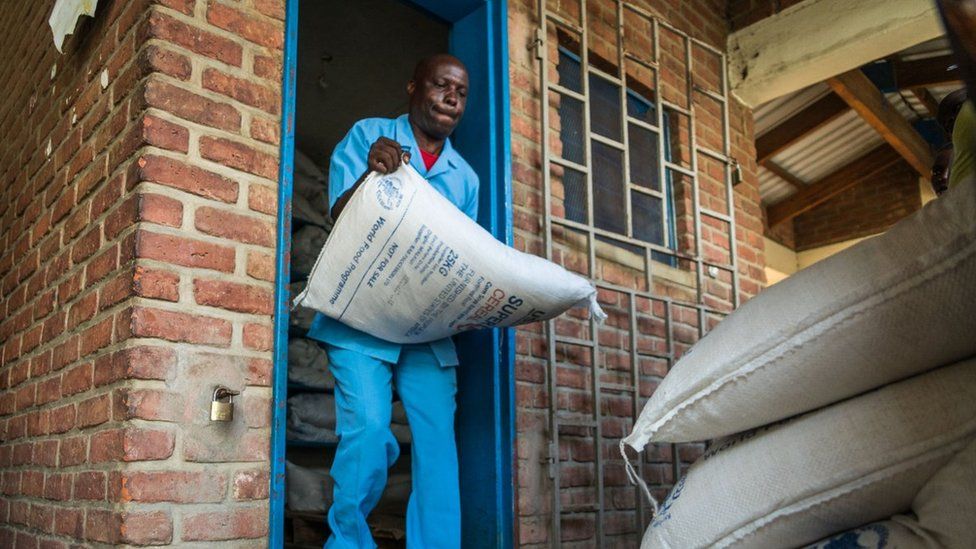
point(633, 360)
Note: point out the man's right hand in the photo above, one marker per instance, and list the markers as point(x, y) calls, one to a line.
point(384, 155)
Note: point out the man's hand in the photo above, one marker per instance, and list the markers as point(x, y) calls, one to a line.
point(384, 155)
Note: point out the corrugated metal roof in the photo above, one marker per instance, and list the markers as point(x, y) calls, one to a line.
point(769, 115)
point(841, 140)
point(829, 147)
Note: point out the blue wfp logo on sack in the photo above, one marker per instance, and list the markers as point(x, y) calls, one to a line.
point(388, 192)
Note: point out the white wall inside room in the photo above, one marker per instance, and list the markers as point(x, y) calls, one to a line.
point(782, 262)
point(354, 64)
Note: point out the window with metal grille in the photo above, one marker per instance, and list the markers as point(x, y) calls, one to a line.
point(637, 197)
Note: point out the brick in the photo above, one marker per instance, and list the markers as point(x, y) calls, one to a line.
point(251, 484)
point(160, 209)
point(164, 134)
point(262, 198)
point(251, 522)
point(184, 251)
point(194, 39)
point(261, 266)
point(147, 528)
point(57, 487)
point(205, 446)
point(268, 67)
point(265, 130)
point(178, 326)
point(239, 156)
point(90, 485)
point(233, 226)
point(146, 362)
point(168, 62)
point(233, 296)
point(259, 372)
point(152, 405)
point(244, 91)
point(271, 8)
point(96, 336)
point(102, 526)
point(69, 522)
point(156, 284)
point(94, 411)
point(148, 444)
point(190, 106)
point(266, 33)
point(182, 6)
point(73, 451)
point(192, 179)
point(77, 379)
point(106, 446)
point(173, 486)
point(258, 337)
point(82, 310)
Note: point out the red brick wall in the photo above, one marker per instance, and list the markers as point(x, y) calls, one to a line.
point(137, 223)
point(868, 208)
point(743, 13)
point(704, 20)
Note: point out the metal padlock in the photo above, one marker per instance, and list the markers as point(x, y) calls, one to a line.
point(222, 405)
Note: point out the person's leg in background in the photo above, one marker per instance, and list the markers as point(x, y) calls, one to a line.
point(427, 390)
point(363, 399)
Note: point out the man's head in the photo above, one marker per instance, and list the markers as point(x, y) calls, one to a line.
point(949, 109)
point(438, 94)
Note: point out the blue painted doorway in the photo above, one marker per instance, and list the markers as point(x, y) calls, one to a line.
point(486, 402)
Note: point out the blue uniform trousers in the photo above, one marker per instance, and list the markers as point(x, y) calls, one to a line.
point(367, 448)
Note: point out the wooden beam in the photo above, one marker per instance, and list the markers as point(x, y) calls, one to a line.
point(931, 71)
point(782, 173)
point(813, 40)
point(830, 186)
point(927, 100)
point(795, 127)
point(865, 98)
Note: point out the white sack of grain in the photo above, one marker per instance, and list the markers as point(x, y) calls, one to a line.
point(849, 464)
point(308, 364)
point(885, 309)
point(405, 265)
point(942, 514)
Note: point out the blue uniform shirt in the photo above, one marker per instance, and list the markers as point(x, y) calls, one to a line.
point(450, 175)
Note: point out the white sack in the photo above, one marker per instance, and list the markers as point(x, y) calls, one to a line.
point(943, 514)
point(308, 364)
point(896, 533)
point(305, 246)
point(405, 265)
point(890, 307)
point(849, 464)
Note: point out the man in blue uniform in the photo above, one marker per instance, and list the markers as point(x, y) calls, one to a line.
point(366, 368)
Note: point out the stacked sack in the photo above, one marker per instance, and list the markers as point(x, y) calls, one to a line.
point(842, 396)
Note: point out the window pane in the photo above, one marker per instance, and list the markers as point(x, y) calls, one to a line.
point(648, 225)
point(574, 185)
point(640, 108)
point(569, 71)
point(643, 157)
point(608, 188)
point(571, 128)
point(604, 108)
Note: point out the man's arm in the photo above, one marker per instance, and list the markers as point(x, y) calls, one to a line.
point(383, 157)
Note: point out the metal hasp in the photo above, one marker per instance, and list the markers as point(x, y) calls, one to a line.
point(624, 60)
point(222, 404)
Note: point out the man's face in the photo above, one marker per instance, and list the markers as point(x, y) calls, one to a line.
point(437, 97)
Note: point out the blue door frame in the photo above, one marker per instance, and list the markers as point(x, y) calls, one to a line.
point(486, 382)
